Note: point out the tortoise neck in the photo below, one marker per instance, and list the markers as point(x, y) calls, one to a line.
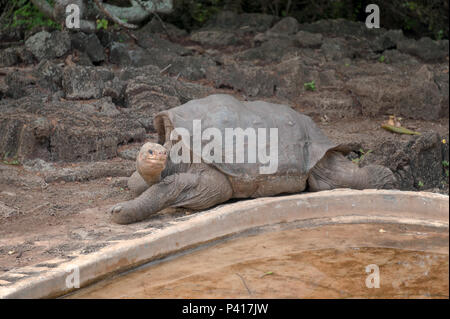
point(151, 179)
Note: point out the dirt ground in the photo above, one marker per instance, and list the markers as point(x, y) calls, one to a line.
point(323, 262)
point(60, 218)
point(55, 219)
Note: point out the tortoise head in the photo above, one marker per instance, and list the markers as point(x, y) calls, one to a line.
point(150, 161)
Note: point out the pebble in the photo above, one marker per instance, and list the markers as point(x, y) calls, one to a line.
point(8, 193)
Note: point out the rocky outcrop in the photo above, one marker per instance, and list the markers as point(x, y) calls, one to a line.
point(425, 48)
point(64, 131)
point(415, 96)
point(101, 110)
point(417, 162)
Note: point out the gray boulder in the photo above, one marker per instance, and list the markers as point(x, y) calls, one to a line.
point(20, 84)
point(154, 41)
point(415, 95)
point(250, 80)
point(115, 89)
point(90, 44)
point(48, 45)
point(426, 49)
point(64, 130)
point(336, 49)
point(388, 40)
point(306, 39)
point(288, 26)
point(215, 37)
point(417, 162)
point(271, 51)
point(341, 28)
point(396, 57)
point(50, 75)
point(129, 55)
point(8, 57)
point(243, 23)
point(81, 82)
point(148, 90)
point(155, 26)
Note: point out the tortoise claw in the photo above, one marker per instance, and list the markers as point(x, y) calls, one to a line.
point(115, 209)
point(122, 213)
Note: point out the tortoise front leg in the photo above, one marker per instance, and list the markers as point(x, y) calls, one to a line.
point(137, 184)
point(179, 190)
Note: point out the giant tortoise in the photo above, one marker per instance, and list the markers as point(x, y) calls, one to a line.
point(306, 158)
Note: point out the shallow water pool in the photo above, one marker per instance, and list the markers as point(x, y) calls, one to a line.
point(322, 262)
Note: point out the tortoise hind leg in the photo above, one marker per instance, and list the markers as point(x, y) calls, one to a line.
point(190, 190)
point(335, 171)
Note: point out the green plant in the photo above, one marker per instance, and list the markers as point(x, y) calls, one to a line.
point(102, 24)
point(420, 184)
point(361, 156)
point(445, 165)
point(28, 16)
point(382, 58)
point(7, 161)
point(201, 11)
point(310, 86)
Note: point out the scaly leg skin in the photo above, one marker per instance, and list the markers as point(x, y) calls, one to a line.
point(137, 184)
point(196, 191)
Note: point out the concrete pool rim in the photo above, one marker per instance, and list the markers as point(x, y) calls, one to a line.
point(341, 206)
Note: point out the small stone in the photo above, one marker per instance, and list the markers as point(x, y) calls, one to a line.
point(8, 193)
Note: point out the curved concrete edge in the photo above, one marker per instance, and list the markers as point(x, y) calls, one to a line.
point(337, 206)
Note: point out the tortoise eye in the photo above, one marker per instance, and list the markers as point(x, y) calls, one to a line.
point(150, 152)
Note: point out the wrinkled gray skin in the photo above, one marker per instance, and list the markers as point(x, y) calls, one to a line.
point(307, 160)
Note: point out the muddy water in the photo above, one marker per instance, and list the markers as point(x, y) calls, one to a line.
point(323, 262)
